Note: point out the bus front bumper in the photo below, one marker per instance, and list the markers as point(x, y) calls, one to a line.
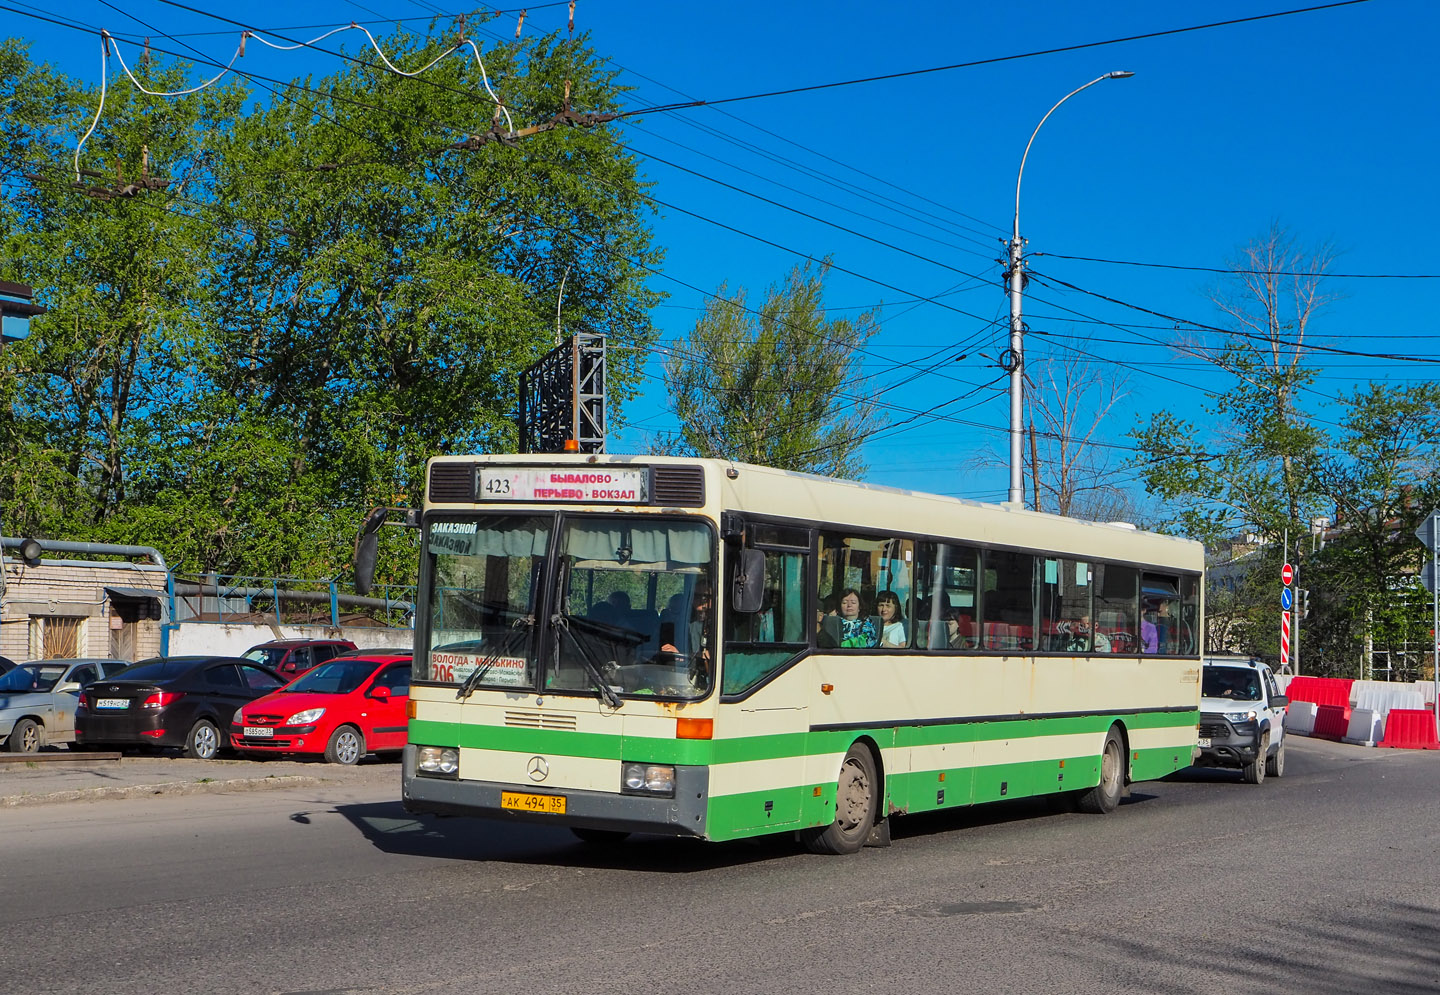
point(680, 815)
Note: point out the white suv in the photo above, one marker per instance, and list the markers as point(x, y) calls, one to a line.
point(1242, 715)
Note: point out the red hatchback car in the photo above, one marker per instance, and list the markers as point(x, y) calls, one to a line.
point(344, 709)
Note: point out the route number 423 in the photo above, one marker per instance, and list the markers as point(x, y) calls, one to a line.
point(497, 486)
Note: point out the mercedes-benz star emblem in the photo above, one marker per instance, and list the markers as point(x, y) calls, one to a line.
point(538, 768)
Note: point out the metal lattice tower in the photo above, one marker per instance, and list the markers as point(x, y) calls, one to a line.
point(562, 397)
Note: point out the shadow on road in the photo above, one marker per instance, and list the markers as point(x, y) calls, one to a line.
point(1389, 946)
point(393, 830)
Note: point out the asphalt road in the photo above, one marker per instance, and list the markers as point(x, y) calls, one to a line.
point(1325, 881)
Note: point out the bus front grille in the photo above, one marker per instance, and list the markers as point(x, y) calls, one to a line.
point(540, 720)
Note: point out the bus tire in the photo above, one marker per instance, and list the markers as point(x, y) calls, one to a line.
point(856, 793)
point(1104, 798)
point(599, 837)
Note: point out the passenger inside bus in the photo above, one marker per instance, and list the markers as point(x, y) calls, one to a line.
point(856, 631)
point(893, 631)
point(960, 630)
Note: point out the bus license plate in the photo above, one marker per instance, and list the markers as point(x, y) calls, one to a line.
point(1204, 742)
point(548, 804)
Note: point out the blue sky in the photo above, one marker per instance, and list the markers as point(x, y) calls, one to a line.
point(1322, 121)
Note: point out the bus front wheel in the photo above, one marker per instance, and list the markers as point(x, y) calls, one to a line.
point(1105, 796)
point(856, 791)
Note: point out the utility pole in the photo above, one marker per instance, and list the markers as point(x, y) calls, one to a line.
point(1014, 361)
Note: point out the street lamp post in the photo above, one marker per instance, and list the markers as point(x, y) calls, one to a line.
point(1016, 364)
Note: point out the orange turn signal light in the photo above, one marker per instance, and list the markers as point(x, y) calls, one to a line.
point(410, 708)
point(694, 728)
point(826, 688)
point(571, 446)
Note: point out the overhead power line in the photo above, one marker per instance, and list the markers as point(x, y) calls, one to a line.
point(1201, 326)
point(1007, 58)
point(1243, 272)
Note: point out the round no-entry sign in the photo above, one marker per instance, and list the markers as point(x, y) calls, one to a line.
point(1287, 574)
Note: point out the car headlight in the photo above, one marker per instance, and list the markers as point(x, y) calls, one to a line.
point(648, 779)
point(1241, 716)
point(306, 717)
point(441, 760)
point(238, 719)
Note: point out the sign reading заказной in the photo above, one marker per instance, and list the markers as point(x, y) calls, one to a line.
point(545, 484)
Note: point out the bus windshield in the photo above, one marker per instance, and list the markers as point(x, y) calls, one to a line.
point(620, 606)
point(636, 601)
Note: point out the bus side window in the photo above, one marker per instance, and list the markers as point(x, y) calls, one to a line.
point(947, 601)
point(1117, 607)
point(1009, 600)
point(781, 618)
point(1065, 613)
point(760, 643)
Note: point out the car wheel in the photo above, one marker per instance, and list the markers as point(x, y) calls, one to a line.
point(1275, 766)
point(599, 837)
point(856, 791)
point(1255, 771)
point(346, 746)
point(203, 742)
point(1104, 798)
point(24, 738)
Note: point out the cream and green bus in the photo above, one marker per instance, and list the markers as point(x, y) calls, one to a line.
point(646, 644)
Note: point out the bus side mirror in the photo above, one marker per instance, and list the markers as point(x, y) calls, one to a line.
point(367, 545)
point(749, 592)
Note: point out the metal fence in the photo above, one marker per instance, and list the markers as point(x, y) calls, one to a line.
point(288, 601)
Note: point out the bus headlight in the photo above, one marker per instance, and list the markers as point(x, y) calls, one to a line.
point(437, 761)
point(648, 779)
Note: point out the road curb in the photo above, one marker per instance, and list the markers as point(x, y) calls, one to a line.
point(198, 787)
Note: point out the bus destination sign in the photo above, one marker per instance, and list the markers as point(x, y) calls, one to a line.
point(600, 484)
point(456, 667)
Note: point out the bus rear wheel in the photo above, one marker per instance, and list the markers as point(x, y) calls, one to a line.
point(856, 791)
point(1105, 796)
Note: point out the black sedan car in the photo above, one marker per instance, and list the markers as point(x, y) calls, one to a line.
point(178, 701)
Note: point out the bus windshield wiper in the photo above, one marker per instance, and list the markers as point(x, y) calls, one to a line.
point(511, 640)
point(561, 622)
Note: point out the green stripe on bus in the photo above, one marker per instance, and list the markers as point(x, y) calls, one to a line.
point(771, 747)
point(740, 815)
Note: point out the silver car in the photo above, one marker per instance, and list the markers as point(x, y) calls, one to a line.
point(37, 700)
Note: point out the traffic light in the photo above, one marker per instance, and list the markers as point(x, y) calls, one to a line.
point(1304, 602)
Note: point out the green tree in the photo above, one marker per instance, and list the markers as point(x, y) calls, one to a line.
point(1254, 469)
point(382, 295)
point(1384, 480)
point(329, 292)
point(124, 279)
point(779, 385)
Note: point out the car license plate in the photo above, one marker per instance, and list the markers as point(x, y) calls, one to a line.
point(549, 804)
point(261, 732)
point(1204, 742)
point(112, 703)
